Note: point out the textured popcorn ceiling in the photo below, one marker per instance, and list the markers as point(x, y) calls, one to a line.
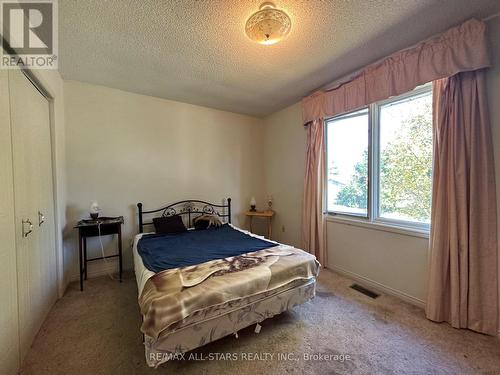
point(196, 51)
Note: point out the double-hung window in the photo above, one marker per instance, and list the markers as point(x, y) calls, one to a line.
point(379, 161)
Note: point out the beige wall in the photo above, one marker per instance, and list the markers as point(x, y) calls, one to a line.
point(124, 148)
point(285, 142)
point(394, 262)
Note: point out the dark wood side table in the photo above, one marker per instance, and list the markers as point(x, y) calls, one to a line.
point(92, 228)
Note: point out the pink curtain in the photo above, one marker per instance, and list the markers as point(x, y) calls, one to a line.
point(461, 48)
point(463, 259)
point(313, 236)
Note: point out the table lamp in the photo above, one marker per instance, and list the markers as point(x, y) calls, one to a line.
point(253, 204)
point(94, 210)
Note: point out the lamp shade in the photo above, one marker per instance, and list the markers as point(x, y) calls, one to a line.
point(94, 207)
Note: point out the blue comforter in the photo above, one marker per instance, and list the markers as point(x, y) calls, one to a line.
point(164, 251)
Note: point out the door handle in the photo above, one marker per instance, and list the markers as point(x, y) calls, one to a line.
point(27, 224)
point(41, 218)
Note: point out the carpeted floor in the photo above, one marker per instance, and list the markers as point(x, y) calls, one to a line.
point(97, 332)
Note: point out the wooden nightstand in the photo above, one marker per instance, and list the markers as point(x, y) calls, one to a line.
point(92, 228)
point(265, 214)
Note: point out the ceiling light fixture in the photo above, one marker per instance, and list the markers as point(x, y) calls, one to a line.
point(269, 25)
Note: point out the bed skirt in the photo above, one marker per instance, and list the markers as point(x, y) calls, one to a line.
point(197, 334)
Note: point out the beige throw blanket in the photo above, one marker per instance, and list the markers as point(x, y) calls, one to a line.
point(172, 295)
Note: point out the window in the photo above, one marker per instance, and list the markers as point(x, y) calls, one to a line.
point(347, 150)
point(379, 161)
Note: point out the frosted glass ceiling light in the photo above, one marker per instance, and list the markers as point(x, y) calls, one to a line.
point(269, 25)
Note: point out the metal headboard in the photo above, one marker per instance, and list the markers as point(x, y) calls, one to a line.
point(188, 209)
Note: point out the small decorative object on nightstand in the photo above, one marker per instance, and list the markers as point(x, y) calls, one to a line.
point(252, 204)
point(94, 210)
point(270, 202)
point(95, 228)
point(265, 214)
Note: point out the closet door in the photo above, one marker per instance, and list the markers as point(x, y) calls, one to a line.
point(30, 126)
point(45, 220)
point(46, 214)
point(9, 339)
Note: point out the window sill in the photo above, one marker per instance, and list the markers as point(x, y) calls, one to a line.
point(421, 233)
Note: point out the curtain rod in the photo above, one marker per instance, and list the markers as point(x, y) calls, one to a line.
point(491, 17)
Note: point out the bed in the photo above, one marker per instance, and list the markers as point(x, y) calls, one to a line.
point(199, 286)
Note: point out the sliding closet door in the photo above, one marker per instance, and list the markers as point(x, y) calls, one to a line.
point(30, 126)
point(45, 221)
point(9, 339)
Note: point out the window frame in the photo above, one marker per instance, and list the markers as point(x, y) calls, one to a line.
point(340, 117)
point(373, 217)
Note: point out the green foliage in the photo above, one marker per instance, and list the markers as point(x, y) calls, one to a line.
point(405, 172)
point(355, 194)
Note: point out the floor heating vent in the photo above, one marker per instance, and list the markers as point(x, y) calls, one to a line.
point(365, 291)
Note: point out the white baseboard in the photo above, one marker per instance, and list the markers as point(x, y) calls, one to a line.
point(99, 268)
point(379, 287)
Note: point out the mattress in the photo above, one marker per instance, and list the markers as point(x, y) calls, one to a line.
point(220, 319)
point(160, 252)
point(142, 274)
